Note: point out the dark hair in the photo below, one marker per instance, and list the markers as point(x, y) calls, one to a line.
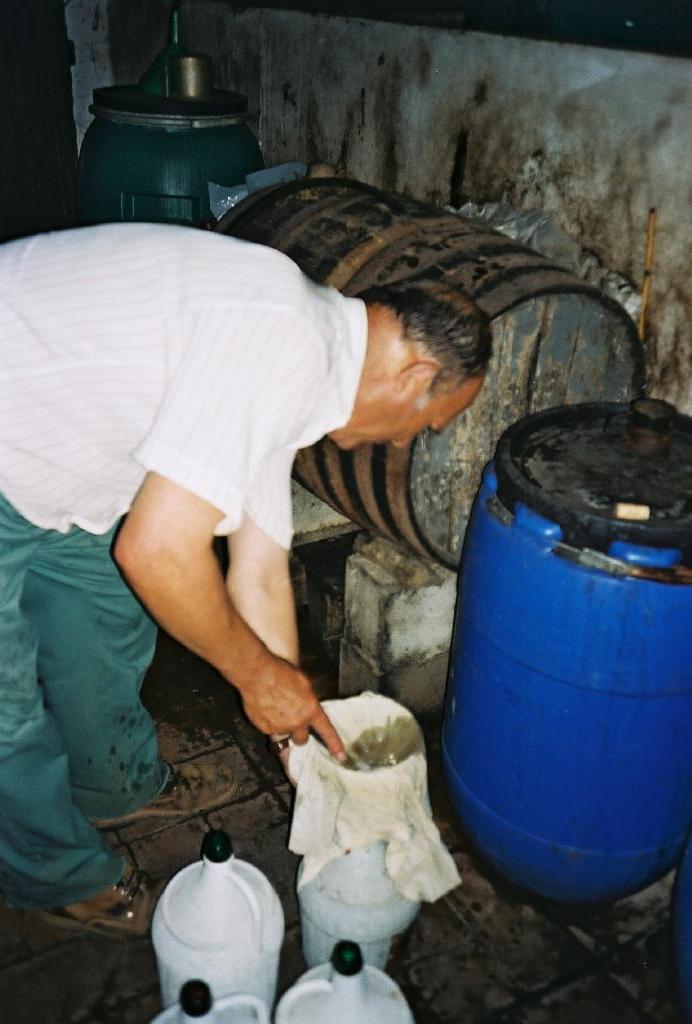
point(444, 321)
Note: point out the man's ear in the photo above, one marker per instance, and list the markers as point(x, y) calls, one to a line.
point(416, 377)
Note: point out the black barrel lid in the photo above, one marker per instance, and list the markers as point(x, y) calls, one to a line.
point(605, 473)
point(130, 99)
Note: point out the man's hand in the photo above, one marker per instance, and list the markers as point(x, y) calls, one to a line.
point(282, 701)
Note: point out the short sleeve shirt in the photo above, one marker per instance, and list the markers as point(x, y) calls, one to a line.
point(206, 359)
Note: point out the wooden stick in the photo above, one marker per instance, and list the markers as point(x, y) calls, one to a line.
point(648, 264)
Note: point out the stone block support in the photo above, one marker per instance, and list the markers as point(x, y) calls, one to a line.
point(398, 618)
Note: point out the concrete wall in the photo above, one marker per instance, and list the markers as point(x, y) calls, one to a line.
point(594, 136)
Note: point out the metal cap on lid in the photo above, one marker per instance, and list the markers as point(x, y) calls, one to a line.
point(605, 473)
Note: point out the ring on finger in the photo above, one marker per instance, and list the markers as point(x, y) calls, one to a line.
point(281, 744)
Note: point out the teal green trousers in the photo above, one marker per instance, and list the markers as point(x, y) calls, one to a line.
point(75, 741)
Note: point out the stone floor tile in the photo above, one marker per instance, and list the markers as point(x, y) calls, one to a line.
point(612, 924)
point(181, 742)
point(451, 833)
point(180, 681)
point(256, 747)
point(594, 999)
point(444, 816)
point(140, 1010)
point(645, 969)
point(24, 933)
point(268, 771)
point(454, 986)
point(268, 851)
point(229, 757)
point(436, 929)
point(171, 848)
point(84, 980)
point(529, 950)
point(249, 818)
point(285, 791)
point(192, 705)
point(292, 963)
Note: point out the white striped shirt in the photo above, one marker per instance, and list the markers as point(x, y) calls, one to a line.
point(134, 347)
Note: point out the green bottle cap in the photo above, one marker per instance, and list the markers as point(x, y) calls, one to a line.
point(347, 958)
point(216, 846)
point(195, 998)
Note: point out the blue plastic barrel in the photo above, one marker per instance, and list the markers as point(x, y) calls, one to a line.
point(567, 738)
point(682, 927)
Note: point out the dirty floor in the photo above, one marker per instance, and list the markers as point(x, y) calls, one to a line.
point(485, 954)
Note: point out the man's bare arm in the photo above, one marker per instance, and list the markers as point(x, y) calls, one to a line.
point(259, 583)
point(165, 552)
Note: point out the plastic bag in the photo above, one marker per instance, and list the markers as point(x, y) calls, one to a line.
point(223, 197)
point(538, 230)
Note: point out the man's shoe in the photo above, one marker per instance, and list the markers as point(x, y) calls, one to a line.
point(191, 789)
point(123, 909)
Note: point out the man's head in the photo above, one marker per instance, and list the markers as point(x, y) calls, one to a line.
point(428, 347)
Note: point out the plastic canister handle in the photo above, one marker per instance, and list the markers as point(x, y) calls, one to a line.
point(301, 989)
point(647, 557)
point(251, 898)
point(245, 1002)
point(490, 478)
point(174, 1014)
point(543, 528)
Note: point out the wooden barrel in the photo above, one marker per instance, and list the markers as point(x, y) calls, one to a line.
point(556, 340)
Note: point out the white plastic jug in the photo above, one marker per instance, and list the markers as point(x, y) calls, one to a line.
point(196, 1006)
point(344, 991)
point(371, 850)
point(221, 920)
point(353, 895)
